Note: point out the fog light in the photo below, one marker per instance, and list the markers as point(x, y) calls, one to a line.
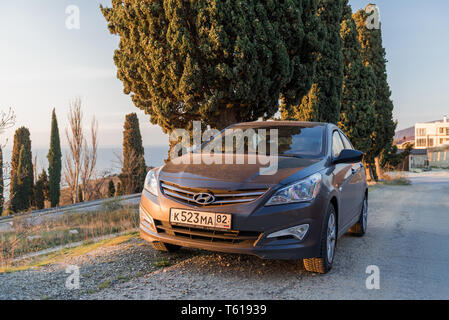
point(299, 232)
point(146, 220)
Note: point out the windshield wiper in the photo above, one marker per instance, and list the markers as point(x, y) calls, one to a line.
point(290, 155)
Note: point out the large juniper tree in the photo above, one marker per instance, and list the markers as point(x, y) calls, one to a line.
point(21, 190)
point(322, 103)
point(54, 162)
point(373, 55)
point(216, 61)
point(133, 167)
point(357, 112)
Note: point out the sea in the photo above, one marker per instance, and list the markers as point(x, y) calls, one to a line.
point(107, 160)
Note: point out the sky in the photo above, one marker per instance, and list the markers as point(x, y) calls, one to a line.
point(45, 65)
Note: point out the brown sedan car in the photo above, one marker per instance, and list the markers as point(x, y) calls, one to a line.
point(317, 193)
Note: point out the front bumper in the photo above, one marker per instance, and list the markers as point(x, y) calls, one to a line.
point(250, 231)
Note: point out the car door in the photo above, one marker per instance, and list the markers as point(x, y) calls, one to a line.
point(356, 182)
point(341, 177)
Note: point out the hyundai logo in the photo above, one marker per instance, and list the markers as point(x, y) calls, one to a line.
point(203, 198)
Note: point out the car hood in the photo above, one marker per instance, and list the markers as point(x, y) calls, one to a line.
point(232, 175)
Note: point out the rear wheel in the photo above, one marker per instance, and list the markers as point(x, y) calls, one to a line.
point(323, 264)
point(165, 247)
point(359, 229)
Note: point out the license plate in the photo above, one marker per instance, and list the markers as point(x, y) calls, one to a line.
point(200, 219)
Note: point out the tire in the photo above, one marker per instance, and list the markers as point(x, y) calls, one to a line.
point(323, 263)
point(165, 247)
point(359, 229)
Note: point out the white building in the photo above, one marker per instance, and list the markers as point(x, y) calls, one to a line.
point(432, 134)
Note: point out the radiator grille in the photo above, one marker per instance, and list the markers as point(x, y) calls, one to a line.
point(215, 236)
point(222, 197)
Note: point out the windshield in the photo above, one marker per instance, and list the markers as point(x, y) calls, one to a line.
point(297, 141)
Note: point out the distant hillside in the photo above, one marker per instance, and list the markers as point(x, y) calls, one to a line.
point(404, 135)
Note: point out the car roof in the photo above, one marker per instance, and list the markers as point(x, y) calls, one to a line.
point(305, 124)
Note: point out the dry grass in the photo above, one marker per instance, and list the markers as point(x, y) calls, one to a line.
point(59, 255)
point(69, 228)
point(395, 179)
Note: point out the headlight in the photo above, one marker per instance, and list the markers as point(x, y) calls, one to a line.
point(302, 191)
point(151, 184)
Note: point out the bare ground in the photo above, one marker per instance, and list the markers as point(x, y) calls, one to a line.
point(407, 239)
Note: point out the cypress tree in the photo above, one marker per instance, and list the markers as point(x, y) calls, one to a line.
point(134, 168)
point(14, 197)
point(322, 103)
point(21, 191)
point(219, 62)
point(119, 190)
point(80, 195)
point(45, 184)
point(111, 189)
point(40, 190)
point(357, 112)
point(54, 163)
point(373, 55)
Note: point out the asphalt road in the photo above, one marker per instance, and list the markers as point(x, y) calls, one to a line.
point(407, 239)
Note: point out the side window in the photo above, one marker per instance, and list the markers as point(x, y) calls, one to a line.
point(346, 142)
point(337, 144)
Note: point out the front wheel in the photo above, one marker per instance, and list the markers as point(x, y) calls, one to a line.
point(323, 264)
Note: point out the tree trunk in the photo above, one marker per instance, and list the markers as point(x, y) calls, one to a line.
point(369, 175)
point(379, 170)
point(372, 171)
point(227, 117)
point(75, 198)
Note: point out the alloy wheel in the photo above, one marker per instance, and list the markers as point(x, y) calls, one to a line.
point(331, 237)
point(365, 214)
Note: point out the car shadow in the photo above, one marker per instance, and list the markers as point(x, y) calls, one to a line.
point(213, 263)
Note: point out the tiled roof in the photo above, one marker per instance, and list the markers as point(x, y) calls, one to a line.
point(419, 152)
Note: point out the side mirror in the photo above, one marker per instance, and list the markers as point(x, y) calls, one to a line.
point(348, 156)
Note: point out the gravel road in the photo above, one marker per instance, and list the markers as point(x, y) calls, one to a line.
point(407, 240)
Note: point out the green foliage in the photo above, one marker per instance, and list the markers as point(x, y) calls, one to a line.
point(390, 158)
point(110, 205)
point(219, 62)
point(54, 163)
point(80, 194)
point(41, 190)
point(322, 103)
point(134, 168)
point(21, 190)
point(45, 184)
point(111, 189)
point(105, 284)
point(373, 55)
point(161, 263)
point(357, 113)
point(119, 190)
